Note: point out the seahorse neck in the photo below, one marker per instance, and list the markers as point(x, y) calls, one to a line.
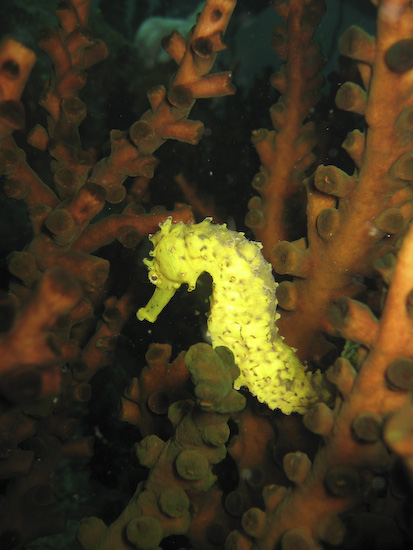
point(243, 297)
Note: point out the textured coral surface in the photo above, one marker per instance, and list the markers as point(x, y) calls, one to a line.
point(190, 458)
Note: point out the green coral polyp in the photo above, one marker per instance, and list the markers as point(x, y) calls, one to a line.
point(243, 308)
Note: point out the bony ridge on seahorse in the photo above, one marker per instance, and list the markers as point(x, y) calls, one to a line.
point(243, 308)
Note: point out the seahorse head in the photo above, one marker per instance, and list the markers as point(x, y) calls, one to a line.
point(171, 264)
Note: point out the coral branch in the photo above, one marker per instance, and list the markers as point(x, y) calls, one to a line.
point(308, 512)
point(368, 209)
point(286, 152)
point(180, 467)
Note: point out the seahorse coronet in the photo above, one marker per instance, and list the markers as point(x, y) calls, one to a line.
point(243, 308)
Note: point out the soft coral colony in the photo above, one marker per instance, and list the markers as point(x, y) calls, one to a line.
point(334, 476)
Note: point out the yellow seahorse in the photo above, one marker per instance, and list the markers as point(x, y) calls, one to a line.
point(243, 308)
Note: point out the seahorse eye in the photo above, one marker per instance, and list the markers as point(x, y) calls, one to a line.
point(153, 277)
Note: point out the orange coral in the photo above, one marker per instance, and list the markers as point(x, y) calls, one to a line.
point(279, 485)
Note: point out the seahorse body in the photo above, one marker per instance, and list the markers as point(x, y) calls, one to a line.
point(243, 308)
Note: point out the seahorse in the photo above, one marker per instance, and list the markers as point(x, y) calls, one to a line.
point(243, 312)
